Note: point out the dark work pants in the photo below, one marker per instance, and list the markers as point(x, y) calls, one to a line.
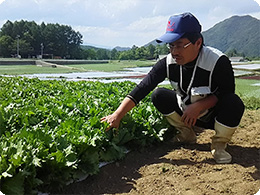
point(228, 111)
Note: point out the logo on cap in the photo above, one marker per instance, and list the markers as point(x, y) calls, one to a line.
point(170, 26)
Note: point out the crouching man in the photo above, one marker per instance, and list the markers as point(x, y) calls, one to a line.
point(204, 88)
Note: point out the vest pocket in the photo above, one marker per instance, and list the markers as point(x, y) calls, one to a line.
point(198, 93)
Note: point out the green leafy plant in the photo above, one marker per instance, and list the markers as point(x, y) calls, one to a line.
point(51, 134)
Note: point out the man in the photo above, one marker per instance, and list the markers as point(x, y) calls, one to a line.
point(204, 86)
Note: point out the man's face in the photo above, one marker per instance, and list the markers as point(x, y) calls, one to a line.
point(183, 51)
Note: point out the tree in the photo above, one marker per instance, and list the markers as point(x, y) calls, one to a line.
point(59, 40)
point(6, 46)
point(88, 54)
point(123, 56)
point(114, 54)
point(102, 54)
point(151, 51)
point(234, 53)
point(25, 49)
point(7, 29)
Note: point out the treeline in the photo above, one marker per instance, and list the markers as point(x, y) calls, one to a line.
point(235, 53)
point(28, 39)
point(141, 53)
point(135, 53)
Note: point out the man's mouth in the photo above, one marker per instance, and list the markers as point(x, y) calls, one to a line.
point(176, 57)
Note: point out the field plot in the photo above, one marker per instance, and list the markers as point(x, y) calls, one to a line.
point(181, 170)
point(18, 69)
point(247, 66)
point(52, 137)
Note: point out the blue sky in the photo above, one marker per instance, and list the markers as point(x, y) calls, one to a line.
point(111, 23)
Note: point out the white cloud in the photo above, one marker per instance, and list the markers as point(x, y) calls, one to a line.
point(113, 8)
point(147, 29)
point(256, 15)
point(136, 33)
point(215, 15)
point(70, 2)
point(258, 1)
point(97, 35)
point(147, 24)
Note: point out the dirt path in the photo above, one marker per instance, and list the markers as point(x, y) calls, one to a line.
point(188, 170)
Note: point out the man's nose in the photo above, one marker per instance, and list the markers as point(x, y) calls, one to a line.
point(174, 52)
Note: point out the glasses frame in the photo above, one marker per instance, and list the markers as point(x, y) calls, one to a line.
point(174, 47)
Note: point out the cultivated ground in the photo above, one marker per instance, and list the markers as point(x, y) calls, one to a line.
point(188, 170)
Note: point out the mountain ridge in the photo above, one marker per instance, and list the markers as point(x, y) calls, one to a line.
point(240, 33)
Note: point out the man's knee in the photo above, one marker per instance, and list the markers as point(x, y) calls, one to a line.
point(157, 95)
point(164, 100)
point(234, 103)
point(231, 109)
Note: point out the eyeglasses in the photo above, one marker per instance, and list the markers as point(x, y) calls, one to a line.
point(178, 47)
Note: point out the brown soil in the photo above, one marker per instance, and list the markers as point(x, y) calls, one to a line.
point(187, 170)
point(255, 77)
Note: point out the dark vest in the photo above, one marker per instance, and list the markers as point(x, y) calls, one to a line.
point(200, 84)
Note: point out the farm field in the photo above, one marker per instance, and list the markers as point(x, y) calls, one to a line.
point(51, 135)
point(190, 169)
point(109, 67)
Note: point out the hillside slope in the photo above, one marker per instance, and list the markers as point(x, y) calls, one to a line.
point(241, 33)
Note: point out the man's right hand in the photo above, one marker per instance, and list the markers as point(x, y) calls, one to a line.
point(113, 120)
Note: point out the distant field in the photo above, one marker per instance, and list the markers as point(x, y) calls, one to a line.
point(31, 69)
point(114, 65)
point(111, 66)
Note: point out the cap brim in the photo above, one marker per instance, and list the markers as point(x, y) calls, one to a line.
point(169, 37)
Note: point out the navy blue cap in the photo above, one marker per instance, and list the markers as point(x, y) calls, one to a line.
point(178, 25)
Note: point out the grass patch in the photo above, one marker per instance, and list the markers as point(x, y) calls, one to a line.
point(249, 92)
point(109, 67)
point(113, 65)
point(31, 69)
point(247, 87)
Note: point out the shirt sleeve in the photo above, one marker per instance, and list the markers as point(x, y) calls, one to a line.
point(223, 77)
point(151, 80)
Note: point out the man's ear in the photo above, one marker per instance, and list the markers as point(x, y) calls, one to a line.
point(198, 43)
